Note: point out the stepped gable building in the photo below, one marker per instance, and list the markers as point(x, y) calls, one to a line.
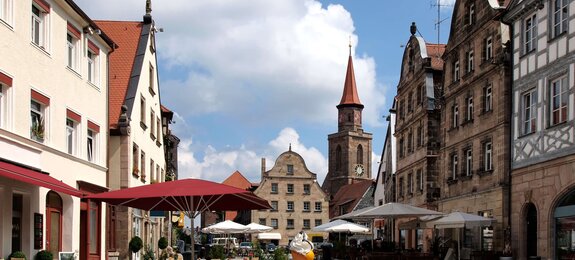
point(543, 127)
point(298, 202)
point(475, 120)
point(349, 150)
point(417, 129)
point(53, 137)
point(136, 142)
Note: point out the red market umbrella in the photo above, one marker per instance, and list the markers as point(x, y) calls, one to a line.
point(192, 196)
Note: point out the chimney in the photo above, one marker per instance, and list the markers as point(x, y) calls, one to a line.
point(263, 167)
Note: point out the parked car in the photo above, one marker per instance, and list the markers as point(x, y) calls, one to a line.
point(227, 242)
point(246, 245)
point(271, 247)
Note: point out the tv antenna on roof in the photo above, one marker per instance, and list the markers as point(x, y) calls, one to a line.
point(438, 22)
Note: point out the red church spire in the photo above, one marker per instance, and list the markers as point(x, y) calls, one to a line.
point(350, 96)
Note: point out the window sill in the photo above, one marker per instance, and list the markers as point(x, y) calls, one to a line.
point(466, 177)
point(40, 48)
point(153, 137)
point(152, 92)
point(306, 228)
point(5, 23)
point(317, 211)
point(273, 210)
point(555, 38)
point(274, 192)
point(466, 122)
point(74, 71)
point(525, 54)
point(94, 85)
point(452, 129)
point(526, 134)
point(307, 211)
point(289, 210)
point(158, 143)
point(451, 181)
point(306, 193)
point(289, 227)
point(289, 193)
point(482, 173)
point(486, 112)
point(143, 125)
point(557, 125)
point(468, 74)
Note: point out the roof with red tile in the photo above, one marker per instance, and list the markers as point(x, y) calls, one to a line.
point(435, 51)
point(127, 35)
point(348, 196)
point(239, 181)
point(350, 96)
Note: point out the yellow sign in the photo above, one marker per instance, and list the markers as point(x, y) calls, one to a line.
point(181, 220)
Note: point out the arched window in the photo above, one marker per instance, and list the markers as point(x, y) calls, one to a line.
point(359, 154)
point(338, 158)
point(54, 208)
point(564, 219)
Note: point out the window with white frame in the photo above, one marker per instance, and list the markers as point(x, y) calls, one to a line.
point(488, 49)
point(152, 124)
point(529, 103)
point(468, 162)
point(560, 15)
point(454, 165)
point(39, 28)
point(135, 159)
point(471, 14)
point(289, 188)
point(420, 179)
point(274, 222)
point(410, 183)
point(72, 44)
point(470, 63)
point(487, 156)
point(71, 133)
point(152, 166)
point(306, 206)
point(290, 206)
point(290, 169)
point(529, 33)
point(455, 71)
point(306, 189)
point(289, 223)
point(559, 99)
point(37, 123)
point(6, 11)
point(143, 165)
point(306, 224)
point(142, 110)
point(469, 108)
point(91, 145)
point(454, 115)
point(274, 205)
point(92, 67)
point(487, 98)
point(317, 206)
point(151, 72)
point(274, 189)
point(3, 105)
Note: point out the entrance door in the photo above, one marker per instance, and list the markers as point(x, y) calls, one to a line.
point(53, 223)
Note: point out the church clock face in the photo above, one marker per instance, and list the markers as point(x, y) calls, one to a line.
point(359, 170)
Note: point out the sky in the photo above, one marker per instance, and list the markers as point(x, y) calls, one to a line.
point(247, 78)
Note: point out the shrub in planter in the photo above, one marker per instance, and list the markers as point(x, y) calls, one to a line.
point(17, 254)
point(44, 255)
point(136, 244)
point(216, 252)
point(162, 243)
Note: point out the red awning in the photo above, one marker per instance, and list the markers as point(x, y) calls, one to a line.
point(22, 174)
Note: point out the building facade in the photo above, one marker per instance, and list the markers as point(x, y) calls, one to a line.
point(53, 149)
point(542, 133)
point(475, 121)
point(136, 142)
point(349, 150)
point(298, 202)
point(417, 131)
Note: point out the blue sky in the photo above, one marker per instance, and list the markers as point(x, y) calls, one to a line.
point(246, 78)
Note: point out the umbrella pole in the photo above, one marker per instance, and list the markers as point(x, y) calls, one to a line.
point(193, 238)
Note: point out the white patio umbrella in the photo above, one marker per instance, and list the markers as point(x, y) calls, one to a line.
point(257, 228)
point(225, 227)
point(389, 210)
point(461, 220)
point(341, 226)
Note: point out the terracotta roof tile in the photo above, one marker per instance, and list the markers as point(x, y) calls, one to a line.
point(126, 34)
point(239, 181)
point(349, 194)
point(435, 51)
point(350, 96)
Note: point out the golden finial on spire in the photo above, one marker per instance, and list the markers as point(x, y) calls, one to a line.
point(350, 45)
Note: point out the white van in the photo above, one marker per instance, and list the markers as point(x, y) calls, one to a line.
point(226, 242)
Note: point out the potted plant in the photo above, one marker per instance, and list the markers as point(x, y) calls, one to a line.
point(44, 255)
point(37, 130)
point(17, 255)
point(135, 244)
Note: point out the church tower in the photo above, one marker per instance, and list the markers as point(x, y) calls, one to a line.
point(349, 148)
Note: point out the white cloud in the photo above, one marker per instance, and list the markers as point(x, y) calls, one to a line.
point(276, 59)
point(218, 165)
